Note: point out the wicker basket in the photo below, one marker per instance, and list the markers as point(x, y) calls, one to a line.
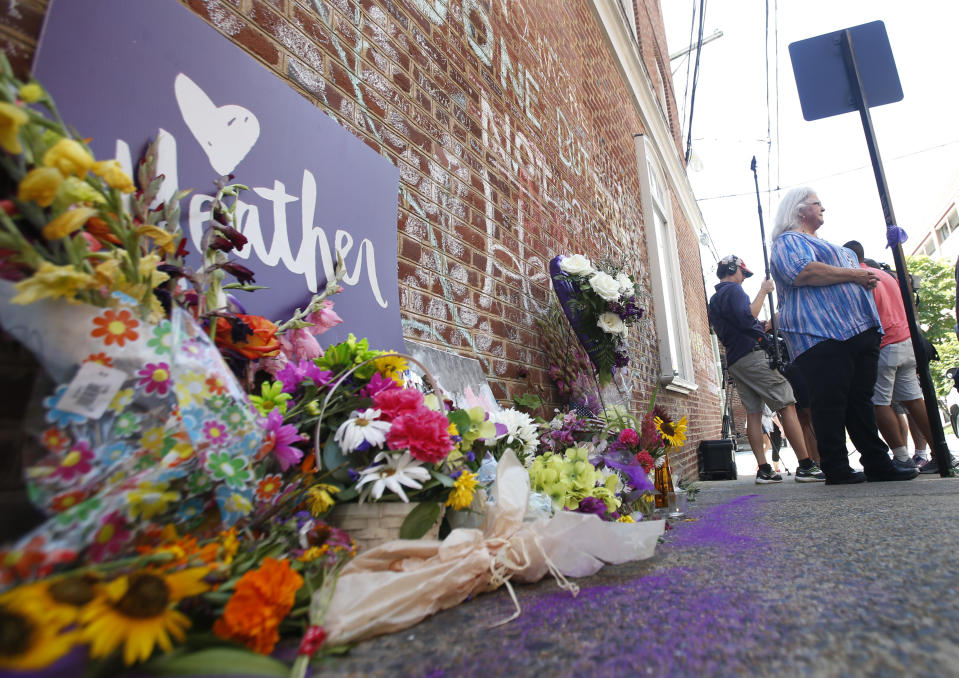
point(377, 523)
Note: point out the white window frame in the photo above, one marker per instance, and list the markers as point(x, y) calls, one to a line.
point(676, 371)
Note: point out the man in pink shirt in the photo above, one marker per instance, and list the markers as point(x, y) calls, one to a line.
point(896, 380)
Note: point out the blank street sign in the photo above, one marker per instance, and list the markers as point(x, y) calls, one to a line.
point(821, 79)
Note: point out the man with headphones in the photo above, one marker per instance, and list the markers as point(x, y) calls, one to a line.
point(735, 321)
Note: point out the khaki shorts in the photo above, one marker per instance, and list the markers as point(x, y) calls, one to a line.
point(896, 379)
point(758, 384)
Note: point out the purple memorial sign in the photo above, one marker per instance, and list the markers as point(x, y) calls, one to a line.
point(121, 70)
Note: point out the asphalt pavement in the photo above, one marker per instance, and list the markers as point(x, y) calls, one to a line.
point(791, 579)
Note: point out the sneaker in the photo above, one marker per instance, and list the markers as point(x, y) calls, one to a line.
point(919, 460)
point(908, 464)
point(813, 474)
point(930, 466)
point(766, 476)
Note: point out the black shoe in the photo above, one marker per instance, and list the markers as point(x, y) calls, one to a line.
point(891, 473)
point(765, 476)
point(851, 478)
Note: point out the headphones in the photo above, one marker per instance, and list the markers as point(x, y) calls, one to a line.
point(732, 267)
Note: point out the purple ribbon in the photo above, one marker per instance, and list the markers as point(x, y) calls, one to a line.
point(895, 235)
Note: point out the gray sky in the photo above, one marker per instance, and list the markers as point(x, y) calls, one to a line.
point(918, 137)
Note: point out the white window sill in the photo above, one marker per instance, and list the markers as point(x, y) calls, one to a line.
point(677, 384)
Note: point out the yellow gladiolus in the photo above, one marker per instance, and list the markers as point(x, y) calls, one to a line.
point(70, 157)
point(31, 92)
point(11, 118)
point(53, 281)
point(106, 273)
point(111, 172)
point(67, 223)
point(40, 185)
point(162, 238)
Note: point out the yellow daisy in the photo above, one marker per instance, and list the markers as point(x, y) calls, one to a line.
point(391, 365)
point(673, 432)
point(319, 498)
point(29, 642)
point(137, 611)
point(463, 489)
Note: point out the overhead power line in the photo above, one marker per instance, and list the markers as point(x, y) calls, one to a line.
point(808, 182)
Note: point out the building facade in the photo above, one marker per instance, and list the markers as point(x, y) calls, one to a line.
point(522, 129)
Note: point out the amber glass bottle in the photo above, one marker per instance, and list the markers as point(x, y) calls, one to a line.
point(663, 481)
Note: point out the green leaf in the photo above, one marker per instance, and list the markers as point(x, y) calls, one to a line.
point(217, 661)
point(347, 494)
point(419, 521)
point(460, 419)
point(444, 479)
point(333, 458)
point(529, 401)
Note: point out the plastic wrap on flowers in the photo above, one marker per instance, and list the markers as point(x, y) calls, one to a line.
point(397, 584)
point(147, 427)
point(566, 290)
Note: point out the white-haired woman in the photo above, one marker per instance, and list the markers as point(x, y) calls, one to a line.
point(828, 317)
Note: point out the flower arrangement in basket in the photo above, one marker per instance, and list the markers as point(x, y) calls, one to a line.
point(600, 303)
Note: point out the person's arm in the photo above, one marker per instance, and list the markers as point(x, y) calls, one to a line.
point(766, 288)
point(818, 274)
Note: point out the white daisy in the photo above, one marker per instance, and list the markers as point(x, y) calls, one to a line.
point(520, 429)
point(362, 426)
point(398, 470)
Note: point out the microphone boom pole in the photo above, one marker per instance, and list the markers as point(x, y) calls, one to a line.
point(762, 234)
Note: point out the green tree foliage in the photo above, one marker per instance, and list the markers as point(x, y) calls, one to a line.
point(937, 315)
point(937, 297)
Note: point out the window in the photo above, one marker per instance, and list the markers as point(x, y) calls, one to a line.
point(953, 220)
point(672, 327)
point(942, 231)
point(929, 249)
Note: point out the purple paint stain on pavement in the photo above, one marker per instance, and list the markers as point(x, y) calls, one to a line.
point(677, 621)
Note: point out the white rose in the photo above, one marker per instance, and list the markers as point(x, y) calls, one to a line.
point(625, 284)
point(575, 265)
point(610, 323)
point(605, 286)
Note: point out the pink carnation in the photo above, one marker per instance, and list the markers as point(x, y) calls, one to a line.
point(397, 401)
point(424, 433)
point(628, 437)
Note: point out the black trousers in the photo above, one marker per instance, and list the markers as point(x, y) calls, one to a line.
point(841, 376)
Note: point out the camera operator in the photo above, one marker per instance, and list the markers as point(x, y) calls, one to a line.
point(757, 378)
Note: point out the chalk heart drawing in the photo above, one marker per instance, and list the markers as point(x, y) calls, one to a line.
point(226, 133)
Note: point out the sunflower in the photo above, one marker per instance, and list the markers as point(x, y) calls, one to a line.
point(29, 642)
point(136, 611)
point(59, 601)
point(673, 432)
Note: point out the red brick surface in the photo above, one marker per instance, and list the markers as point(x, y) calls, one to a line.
point(513, 132)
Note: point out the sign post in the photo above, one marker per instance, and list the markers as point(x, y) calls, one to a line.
point(852, 70)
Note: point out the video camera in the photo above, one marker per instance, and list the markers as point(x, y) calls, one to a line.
point(768, 344)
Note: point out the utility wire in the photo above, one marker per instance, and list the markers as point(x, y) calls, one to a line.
point(809, 182)
point(778, 147)
point(692, 98)
point(769, 136)
point(689, 62)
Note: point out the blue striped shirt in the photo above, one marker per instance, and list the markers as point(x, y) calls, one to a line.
point(809, 314)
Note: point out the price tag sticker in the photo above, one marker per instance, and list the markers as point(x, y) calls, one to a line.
point(92, 390)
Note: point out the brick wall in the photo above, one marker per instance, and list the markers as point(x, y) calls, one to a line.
point(513, 132)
